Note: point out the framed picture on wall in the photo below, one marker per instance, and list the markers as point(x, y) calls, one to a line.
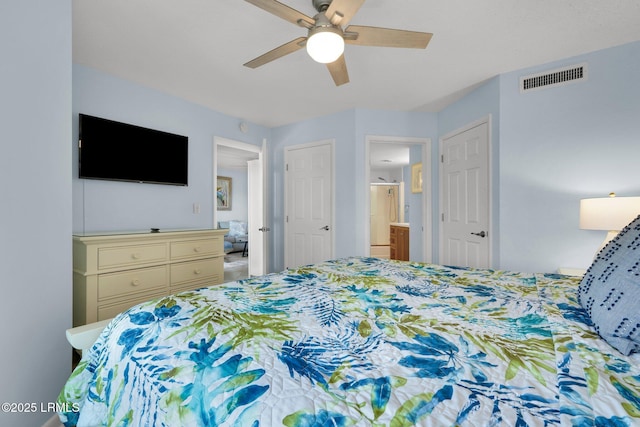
point(416, 178)
point(223, 193)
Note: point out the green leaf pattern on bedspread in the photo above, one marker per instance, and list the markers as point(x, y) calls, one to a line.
point(359, 341)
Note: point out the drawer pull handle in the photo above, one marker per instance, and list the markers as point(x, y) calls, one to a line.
point(135, 282)
point(135, 255)
point(196, 271)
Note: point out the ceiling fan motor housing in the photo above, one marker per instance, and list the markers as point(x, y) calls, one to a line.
point(321, 5)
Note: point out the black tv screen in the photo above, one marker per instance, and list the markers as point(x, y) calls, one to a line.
point(117, 151)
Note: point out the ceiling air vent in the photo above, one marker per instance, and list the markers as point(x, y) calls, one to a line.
point(559, 77)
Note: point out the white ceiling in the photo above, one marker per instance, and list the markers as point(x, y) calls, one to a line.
point(234, 158)
point(194, 49)
point(388, 156)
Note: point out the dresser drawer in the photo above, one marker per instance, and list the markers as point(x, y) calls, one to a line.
point(107, 311)
point(122, 256)
point(196, 270)
point(141, 280)
point(196, 248)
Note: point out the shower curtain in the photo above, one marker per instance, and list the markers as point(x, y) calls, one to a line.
point(384, 210)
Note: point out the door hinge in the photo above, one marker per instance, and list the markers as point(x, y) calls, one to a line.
point(287, 218)
point(79, 143)
point(442, 217)
point(286, 167)
point(442, 158)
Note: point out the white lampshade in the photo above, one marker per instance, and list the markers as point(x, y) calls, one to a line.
point(608, 213)
point(325, 45)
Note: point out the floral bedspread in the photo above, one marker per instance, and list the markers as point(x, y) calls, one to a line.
point(358, 341)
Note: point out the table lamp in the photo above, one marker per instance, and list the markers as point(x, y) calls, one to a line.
point(608, 213)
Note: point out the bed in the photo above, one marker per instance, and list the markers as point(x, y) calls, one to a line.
point(360, 341)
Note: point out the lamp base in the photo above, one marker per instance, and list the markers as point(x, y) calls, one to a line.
point(610, 236)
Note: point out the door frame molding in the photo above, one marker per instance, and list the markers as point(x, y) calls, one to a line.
point(331, 143)
point(427, 221)
point(486, 119)
point(218, 140)
point(261, 152)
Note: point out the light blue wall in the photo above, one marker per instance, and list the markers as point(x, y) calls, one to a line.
point(552, 147)
point(349, 129)
point(562, 144)
point(122, 206)
point(549, 149)
point(104, 205)
point(35, 194)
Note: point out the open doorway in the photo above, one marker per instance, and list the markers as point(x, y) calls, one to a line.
point(394, 201)
point(387, 209)
point(233, 205)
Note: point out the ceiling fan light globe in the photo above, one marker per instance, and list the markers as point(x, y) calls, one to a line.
point(325, 46)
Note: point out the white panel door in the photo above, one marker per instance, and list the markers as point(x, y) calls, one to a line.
point(309, 204)
point(465, 198)
point(257, 203)
point(256, 218)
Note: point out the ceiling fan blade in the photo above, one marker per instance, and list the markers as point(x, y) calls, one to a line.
point(276, 53)
point(338, 70)
point(283, 11)
point(386, 37)
point(340, 12)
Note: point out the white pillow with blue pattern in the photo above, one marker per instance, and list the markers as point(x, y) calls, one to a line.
point(610, 290)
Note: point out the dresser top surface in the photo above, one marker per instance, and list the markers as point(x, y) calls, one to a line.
point(160, 233)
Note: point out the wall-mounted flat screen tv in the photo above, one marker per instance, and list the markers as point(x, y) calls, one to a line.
point(117, 151)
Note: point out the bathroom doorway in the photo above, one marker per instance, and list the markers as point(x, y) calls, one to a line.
point(392, 160)
point(387, 207)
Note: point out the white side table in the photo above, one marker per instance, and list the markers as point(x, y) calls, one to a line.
point(572, 271)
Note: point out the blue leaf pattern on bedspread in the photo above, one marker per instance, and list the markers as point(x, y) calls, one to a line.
point(359, 341)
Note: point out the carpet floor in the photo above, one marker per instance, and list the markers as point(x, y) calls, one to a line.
point(236, 267)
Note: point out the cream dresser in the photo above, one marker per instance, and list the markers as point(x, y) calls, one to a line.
point(113, 272)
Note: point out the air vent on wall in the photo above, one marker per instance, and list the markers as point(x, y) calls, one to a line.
point(559, 77)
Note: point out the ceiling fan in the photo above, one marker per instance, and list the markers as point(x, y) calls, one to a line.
point(326, 36)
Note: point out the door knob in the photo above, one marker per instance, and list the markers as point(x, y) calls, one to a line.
point(481, 234)
point(326, 228)
point(263, 229)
